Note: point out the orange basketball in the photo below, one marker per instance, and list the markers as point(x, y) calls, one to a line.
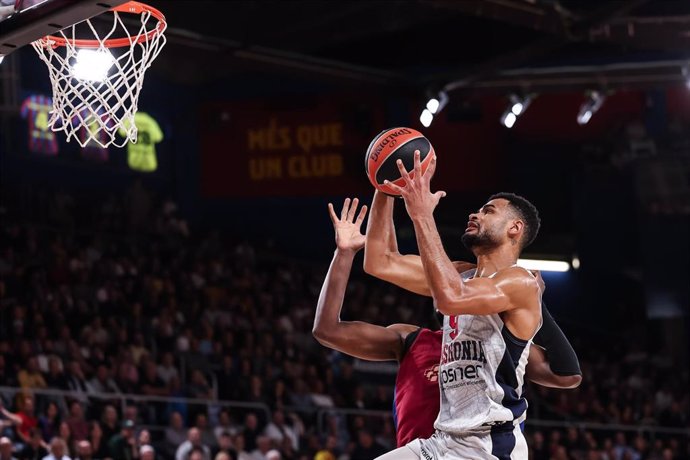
point(389, 146)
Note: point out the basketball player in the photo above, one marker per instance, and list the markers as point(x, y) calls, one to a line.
point(491, 315)
point(416, 349)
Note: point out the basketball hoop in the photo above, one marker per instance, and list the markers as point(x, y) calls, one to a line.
point(96, 81)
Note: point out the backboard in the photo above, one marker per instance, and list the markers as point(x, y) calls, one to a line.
point(23, 21)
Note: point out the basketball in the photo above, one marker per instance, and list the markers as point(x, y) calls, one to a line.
point(389, 146)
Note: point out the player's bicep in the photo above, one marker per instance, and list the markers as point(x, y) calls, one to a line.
point(365, 341)
point(405, 271)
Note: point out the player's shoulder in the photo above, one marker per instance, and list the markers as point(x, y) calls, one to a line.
point(519, 277)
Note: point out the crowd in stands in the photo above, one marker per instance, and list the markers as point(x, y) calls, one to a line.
point(135, 303)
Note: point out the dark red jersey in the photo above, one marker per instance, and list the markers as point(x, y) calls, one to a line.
point(416, 387)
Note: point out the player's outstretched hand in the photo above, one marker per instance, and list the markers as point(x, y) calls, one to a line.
point(419, 201)
point(348, 233)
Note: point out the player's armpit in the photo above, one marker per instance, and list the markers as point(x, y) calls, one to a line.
point(366, 341)
point(539, 371)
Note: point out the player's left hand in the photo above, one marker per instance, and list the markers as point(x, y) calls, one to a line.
point(348, 234)
point(416, 192)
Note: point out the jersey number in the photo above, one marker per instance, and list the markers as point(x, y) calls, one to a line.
point(453, 322)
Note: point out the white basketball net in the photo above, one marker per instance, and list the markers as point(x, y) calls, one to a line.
point(96, 88)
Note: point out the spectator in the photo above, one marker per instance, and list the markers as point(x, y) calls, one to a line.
point(273, 455)
point(75, 380)
point(56, 376)
point(98, 444)
point(193, 443)
point(175, 434)
point(196, 454)
point(225, 425)
point(30, 376)
point(242, 453)
point(147, 452)
point(167, 370)
point(225, 445)
point(251, 431)
point(78, 425)
point(58, 450)
point(366, 448)
point(6, 449)
point(24, 419)
point(263, 446)
point(84, 450)
point(49, 423)
point(109, 423)
point(277, 430)
point(123, 445)
point(35, 449)
point(208, 438)
point(65, 434)
point(102, 382)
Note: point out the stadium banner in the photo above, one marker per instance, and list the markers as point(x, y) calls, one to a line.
point(288, 147)
point(315, 146)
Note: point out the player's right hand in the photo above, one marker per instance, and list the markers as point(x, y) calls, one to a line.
point(348, 234)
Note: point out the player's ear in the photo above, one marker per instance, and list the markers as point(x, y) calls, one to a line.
point(516, 228)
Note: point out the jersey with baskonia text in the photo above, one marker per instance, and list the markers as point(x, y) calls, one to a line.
point(481, 373)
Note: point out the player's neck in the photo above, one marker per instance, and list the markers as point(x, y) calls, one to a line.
point(493, 261)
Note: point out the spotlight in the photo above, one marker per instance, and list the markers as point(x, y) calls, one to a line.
point(426, 118)
point(92, 65)
point(2, 58)
point(433, 106)
point(544, 265)
point(517, 107)
point(595, 100)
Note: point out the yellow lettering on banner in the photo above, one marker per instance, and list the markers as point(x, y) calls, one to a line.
point(325, 135)
point(256, 139)
point(303, 166)
point(273, 137)
point(265, 168)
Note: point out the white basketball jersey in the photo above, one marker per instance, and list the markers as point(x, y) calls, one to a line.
point(481, 373)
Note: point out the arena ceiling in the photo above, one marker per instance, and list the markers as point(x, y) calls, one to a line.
point(420, 42)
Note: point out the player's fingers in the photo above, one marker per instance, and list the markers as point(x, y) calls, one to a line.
point(432, 167)
point(417, 164)
point(403, 172)
point(440, 194)
point(331, 212)
point(346, 207)
point(353, 210)
point(362, 214)
point(394, 187)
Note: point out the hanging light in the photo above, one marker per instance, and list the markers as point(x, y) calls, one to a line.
point(595, 100)
point(518, 106)
point(433, 106)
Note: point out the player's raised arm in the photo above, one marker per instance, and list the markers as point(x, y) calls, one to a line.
point(355, 338)
point(382, 258)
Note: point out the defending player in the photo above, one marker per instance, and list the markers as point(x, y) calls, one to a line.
point(491, 313)
point(417, 349)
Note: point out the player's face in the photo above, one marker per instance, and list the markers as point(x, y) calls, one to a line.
point(487, 227)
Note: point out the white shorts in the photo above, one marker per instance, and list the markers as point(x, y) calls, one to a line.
point(502, 443)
